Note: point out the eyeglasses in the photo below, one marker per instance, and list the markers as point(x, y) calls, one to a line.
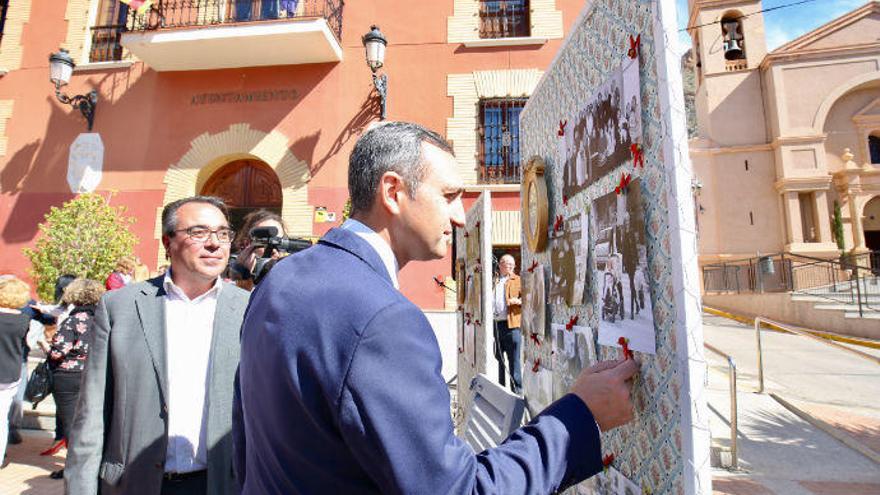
point(202, 234)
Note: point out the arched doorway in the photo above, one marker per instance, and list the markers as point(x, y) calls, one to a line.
point(245, 185)
point(871, 224)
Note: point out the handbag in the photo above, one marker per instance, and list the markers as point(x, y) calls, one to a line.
point(39, 385)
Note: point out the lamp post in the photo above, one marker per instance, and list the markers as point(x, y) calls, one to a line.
point(60, 69)
point(375, 43)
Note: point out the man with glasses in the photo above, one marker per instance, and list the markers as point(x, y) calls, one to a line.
point(154, 415)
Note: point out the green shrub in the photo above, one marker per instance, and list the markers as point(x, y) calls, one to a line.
point(85, 237)
point(837, 227)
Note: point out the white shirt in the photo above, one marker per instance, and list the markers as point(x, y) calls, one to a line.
point(500, 307)
point(383, 249)
point(189, 327)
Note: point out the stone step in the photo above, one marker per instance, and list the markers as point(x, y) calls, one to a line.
point(871, 315)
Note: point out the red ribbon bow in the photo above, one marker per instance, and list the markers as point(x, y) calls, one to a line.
point(636, 151)
point(477, 322)
point(535, 339)
point(565, 200)
point(624, 184)
point(572, 322)
point(537, 365)
point(607, 460)
point(562, 124)
point(460, 350)
point(466, 234)
point(533, 266)
point(477, 225)
point(634, 46)
point(557, 224)
point(624, 342)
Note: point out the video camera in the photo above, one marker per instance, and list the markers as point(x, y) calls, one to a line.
point(268, 238)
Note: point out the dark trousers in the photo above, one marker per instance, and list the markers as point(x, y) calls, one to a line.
point(65, 390)
point(508, 343)
point(190, 484)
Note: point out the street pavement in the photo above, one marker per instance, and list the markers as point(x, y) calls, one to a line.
point(779, 452)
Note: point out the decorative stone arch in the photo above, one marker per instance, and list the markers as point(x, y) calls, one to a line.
point(209, 152)
point(828, 102)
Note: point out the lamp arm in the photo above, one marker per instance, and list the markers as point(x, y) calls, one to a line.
point(86, 103)
point(381, 85)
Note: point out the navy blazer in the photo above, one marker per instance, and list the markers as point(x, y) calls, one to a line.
point(340, 392)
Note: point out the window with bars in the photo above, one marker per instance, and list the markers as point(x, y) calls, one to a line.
point(107, 31)
point(504, 18)
point(4, 6)
point(499, 140)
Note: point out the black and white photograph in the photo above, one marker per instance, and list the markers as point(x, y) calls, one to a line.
point(574, 351)
point(621, 274)
point(573, 156)
point(534, 302)
point(568, 261)
point(611, 122)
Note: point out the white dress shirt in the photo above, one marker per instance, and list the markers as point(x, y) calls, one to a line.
point(189, 327)
point(383, 249)
point(500, 306)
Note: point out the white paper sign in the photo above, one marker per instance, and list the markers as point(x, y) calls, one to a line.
point(85, 163)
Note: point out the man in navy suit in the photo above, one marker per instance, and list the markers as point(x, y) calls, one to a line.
point(339, 388)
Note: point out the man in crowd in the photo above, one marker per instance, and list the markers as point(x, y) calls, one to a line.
point(507, 307)
point(339, 387)
point(154, 414)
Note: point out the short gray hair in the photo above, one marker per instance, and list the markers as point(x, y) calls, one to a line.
point(169, 213)
point(392, 147)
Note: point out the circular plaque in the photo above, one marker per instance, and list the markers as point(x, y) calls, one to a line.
point(535, 208)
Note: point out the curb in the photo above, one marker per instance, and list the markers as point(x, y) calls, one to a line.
point(844, 438)
point(818, 333)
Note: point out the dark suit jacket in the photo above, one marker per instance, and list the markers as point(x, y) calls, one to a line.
point(120, 434)
point(340, 392)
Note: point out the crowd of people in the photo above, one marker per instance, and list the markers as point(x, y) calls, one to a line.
point(320, 377)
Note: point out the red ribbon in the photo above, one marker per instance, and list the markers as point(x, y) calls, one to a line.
point(636, 151)
point(460, 350)
point(624, 342)
point(477, 225)
point(562, 124)
point(565, 200)
point(607, 460)
point(537, 365)
point(534, 265)
point(535, 339)
point(466, 234)
point(557, 224)
point(572, 322)
point(624, 184)
point(477, 323)
point(634, 46)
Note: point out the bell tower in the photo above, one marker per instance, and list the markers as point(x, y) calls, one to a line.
point(728, 47)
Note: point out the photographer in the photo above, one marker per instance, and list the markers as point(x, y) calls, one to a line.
point(246, 252)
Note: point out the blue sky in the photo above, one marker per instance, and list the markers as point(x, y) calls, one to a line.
point(785, 24)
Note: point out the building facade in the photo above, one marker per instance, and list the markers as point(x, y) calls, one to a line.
point(259, 102)
point(785, 137)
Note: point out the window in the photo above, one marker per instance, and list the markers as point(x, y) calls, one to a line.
point(732, 34)
point(504, 18)
point(4, 6)
point(808, 217)
point(499, 140)
point(874, 148)
point(107, 31)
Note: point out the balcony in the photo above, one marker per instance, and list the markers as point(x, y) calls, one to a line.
point(176, 35)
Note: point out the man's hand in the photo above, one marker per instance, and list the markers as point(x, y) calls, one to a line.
point(604, 388)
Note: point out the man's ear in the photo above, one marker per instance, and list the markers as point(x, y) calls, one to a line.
point(391, 191)
point(166, 243)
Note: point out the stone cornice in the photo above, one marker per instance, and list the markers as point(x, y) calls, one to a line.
point(803, 184)
point(797, 140)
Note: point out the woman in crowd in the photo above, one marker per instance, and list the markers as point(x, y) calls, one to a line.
point(246, 253)
point(122, 274)
point(70, 349)
point(14, 325)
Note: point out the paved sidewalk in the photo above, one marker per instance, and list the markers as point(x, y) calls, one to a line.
point(28, 472)
point(780, 453)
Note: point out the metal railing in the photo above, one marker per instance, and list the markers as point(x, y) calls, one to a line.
point(498, 139)
point(851, 279)
point(788, 328)
point(106, 43)
point(731, 372)
point(504, 18)
point(169, 14)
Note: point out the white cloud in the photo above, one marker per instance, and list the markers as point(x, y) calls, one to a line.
point(777, 36)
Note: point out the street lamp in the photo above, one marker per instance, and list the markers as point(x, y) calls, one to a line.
point(60, 69)
point(375, 43)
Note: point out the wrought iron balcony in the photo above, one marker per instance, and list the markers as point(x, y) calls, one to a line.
point(215, 34)
point(504, 18)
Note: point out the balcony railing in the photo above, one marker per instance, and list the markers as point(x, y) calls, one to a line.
point(504, 18)
point(170, 14)
point(106, 46)
point(498, 138)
